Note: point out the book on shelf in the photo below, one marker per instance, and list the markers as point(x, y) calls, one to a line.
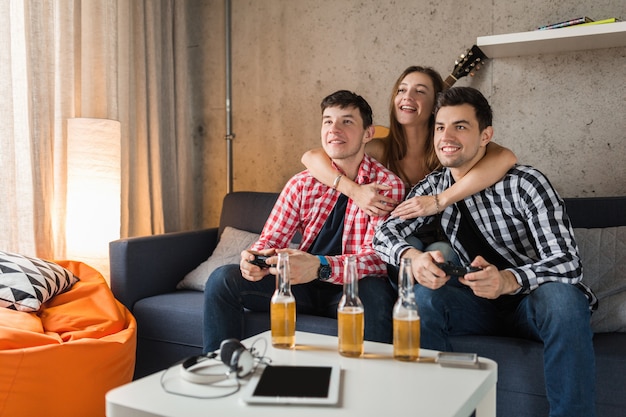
point(600, 22)
point(566, 23)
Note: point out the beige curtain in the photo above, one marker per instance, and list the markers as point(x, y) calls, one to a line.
point(110, 59)
point(37, 82)
point(157, 158)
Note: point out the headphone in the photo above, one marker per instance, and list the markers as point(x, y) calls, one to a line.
point(232, 353)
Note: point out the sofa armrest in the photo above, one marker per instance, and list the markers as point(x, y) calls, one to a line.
point(151, 265)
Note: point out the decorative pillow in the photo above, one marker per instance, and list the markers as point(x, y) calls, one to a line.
point(603, 255)
point(26, 283)
point(228, 251)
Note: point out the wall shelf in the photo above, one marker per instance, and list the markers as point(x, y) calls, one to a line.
point(573, 38)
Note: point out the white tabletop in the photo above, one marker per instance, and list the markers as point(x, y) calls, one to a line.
point(374, 384)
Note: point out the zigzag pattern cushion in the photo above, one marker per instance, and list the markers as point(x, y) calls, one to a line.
point(26, 283)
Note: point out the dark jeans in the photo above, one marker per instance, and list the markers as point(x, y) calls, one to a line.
point(227, 293)
point(556, 314)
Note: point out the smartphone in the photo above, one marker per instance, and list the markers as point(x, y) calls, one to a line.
point(458, 359)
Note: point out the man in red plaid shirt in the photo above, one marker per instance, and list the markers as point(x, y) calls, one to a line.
point(332, 227)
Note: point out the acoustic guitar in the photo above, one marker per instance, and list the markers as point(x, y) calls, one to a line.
point(467, 64)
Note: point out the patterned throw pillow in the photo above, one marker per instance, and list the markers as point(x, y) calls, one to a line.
point(26, 283)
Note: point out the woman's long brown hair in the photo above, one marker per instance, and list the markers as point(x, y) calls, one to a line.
point(396, 143)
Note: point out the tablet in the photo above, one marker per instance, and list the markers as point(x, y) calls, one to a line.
point(310, 385)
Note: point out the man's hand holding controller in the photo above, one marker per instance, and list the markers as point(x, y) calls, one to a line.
point(491, 283)
point(456, 270)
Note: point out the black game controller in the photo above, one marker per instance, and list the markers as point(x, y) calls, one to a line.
point(456, 270)
point(259, 260)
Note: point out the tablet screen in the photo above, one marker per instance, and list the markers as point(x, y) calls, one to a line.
point(295, 384)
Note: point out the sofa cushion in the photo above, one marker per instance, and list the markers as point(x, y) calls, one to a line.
point(610, 377)
point(228, 251)
point(603, 255)
point(26, 283)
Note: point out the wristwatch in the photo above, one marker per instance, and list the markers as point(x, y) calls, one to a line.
point(324, 271)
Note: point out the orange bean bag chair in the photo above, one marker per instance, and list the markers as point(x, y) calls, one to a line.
point(64, 358)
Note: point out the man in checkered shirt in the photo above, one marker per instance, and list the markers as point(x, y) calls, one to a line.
point(517, 232)
point(332, 227)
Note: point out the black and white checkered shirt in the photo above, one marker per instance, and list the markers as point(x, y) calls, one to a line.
point(522, 218)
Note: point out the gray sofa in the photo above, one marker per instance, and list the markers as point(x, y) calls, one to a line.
point(145, 272)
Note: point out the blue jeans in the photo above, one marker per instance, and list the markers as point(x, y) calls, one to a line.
point(444, 247)
point(555, 314)
point(227, 293)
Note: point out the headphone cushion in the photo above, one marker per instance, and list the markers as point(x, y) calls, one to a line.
point(228, 348)
point(244, 363)
point(236, 357)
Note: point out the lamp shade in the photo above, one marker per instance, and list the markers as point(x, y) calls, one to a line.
point(93, 190)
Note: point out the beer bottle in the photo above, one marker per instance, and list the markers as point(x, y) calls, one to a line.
point(406, 320)
point(283, 307)
point(350, 313)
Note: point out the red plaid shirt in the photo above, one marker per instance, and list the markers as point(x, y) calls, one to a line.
point(305, 204)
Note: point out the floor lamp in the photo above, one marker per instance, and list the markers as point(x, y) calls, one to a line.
point(93, 190)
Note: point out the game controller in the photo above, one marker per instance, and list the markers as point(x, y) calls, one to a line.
point(259, 260)
point(455, 270)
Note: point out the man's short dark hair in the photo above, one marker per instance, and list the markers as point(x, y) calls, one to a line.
point(344, 99)
point(457, 96)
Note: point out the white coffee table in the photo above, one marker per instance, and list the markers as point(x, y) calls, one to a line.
point(373, 385)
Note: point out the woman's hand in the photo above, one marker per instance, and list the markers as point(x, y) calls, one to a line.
point(369, 199)
point(417, 206)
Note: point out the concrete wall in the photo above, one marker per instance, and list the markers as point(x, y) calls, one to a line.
point(563, 113)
